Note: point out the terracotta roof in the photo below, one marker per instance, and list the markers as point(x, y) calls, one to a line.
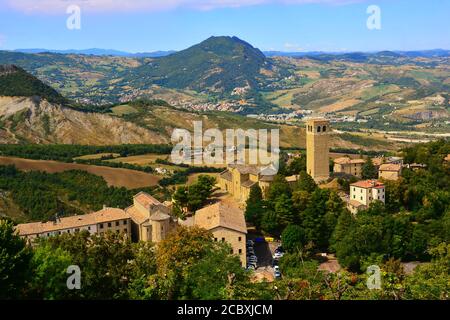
point(245, 169)
point(368, 184)
point(355, 203)
point(220, 215)
point(146, 200)
point(248, 183)
point(347, 160)
point(159, 216)
point(293, 178)
point(267, 178)
point(378, 161)
point(102, 216)
point(226, 175)
point(390, 167)
point(137, 216)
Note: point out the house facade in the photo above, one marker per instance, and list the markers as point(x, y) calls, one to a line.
point(363, 193)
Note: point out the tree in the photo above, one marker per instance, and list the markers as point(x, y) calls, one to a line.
point(254, 209)
point(15, 259)
point(49, 275)
point(296, 166)
point(293, 237)
point(369, 171)
point(431, 281)
point(278, 187)
point(306, 183)
point(284, 211)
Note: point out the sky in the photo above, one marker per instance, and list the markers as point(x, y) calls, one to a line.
point(270, 25)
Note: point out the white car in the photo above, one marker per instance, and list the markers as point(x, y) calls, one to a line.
point(276, 269)
point(277, 255)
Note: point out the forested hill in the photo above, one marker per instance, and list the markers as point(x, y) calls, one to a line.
point(16, 82)
point(218, 64)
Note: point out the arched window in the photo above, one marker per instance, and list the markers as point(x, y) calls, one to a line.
point(324, 128)
point(318, 129)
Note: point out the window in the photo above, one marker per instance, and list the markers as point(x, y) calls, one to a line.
point(240, 238)
point(215, 239)
point(101, 225)
point(361, 198)
point(125, 222)
point(125, 230)
point(68, 231)
point(77, 230)
point(318, 129)
point(109, 224)
point(240, 251)
point(117, 223)
point(89, 228)
point(324, 128)
point(223, 239)
point(354, 197)
point(48, 234)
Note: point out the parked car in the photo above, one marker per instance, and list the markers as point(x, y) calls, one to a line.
point(277, 255)
point(279, 249)
point(277, 274)
point(250, 243)
point(250, 252)
point(276, 269)
point(274, 262)
point(252, 258)
point(251, 265)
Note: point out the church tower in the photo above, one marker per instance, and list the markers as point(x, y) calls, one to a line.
point(317, 149)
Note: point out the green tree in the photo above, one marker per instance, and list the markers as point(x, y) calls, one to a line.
point(49, 275)
point(254, 209)
point(15, 259)
point(369, 171)
point(293, 237)
point(306, 183)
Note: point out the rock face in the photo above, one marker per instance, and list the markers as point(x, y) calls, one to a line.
point(32, 120)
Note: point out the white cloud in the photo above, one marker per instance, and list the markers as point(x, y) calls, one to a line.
point(59, 6)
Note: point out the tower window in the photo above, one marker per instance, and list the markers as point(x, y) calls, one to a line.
point(318, 129)
point(324, 128)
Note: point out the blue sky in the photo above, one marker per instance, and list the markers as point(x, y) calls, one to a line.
point(282, 25)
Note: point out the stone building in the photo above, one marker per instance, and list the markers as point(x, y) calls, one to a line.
point(151, 220)
point(317, 149)
point(107, 219)
point(348, 166)
point(238, 179)
point(389, 171)
point(363, 193)
point(227, 224)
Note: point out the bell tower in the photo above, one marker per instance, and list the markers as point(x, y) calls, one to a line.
point(317, 149)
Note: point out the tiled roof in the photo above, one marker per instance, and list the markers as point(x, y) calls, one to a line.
point(220, 215)
point(248, 183)
point(390, 167)
point(245, 169)
point(355, 204)
point(159, 216)
point(347, 160)
point(136, 215)
point(102, 216)
point(368, 184)
point(293, 178)
point(146, 200)
point(226, 175)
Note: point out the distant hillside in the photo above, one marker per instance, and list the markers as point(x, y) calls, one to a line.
point(218, 64)
point(15, 81)
point(100, 52)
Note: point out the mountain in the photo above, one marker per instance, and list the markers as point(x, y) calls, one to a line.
point(217, 65)
point(100, 52)
point(15, 81)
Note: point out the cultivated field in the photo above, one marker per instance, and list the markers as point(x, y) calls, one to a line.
point(117, 177)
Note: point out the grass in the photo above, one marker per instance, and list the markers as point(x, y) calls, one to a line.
point(117, 177)
point(123, 110)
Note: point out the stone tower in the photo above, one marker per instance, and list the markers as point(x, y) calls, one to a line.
point(317, 149)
